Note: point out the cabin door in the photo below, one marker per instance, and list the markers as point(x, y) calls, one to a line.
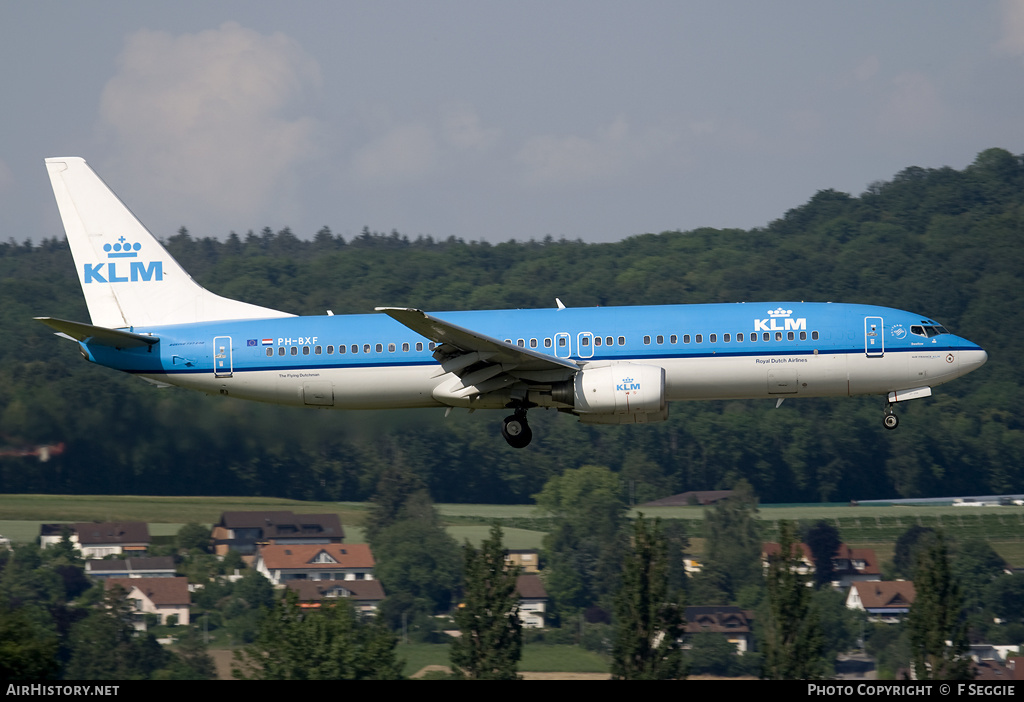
point(222, 361)
point(874, 343)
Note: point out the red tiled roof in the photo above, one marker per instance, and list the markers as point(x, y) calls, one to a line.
point(289, 557)
point(159, 591)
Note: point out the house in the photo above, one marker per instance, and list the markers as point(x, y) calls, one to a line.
point(164, 597)
point(737, 625)
point(533, 600)
point(161, 567)
point(280, 563)
point(246, 531)
point(100, 539)
point(849, 565)
point(804, 560)
point(528, 559)
point(883, 600)
point(366, 595)
point(852, 565)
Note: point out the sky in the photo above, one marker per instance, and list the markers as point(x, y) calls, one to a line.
point(488, 120)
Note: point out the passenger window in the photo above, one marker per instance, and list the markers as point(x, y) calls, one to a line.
point(661, 339)
point(295, 350)
point(766, 337)
point(547, 343)
point(778, 336)
point(366, 348)
point(561, 341)
point(608, 341)
point(431, 346)
point(790, 336)
point(814, 335)
point(270, 351)
point(585, 341)
point(391, 348)
point(405, 346)
point(647, 340)
point(803, 336)
point(305, 350)
point(686, 338)
point(673, 339)
point(341, 348)
point(533, 343)
point(699, 338)
point(739, 337)
point(597, 341)
point(419, 345)
point(622, 341)
point(318, 350)
point(379, 348)
point(521, 342)
point(726, 338)
point(714, 338)
point(355, 348)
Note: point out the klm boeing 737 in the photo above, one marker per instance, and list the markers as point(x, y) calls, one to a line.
point(609, 365)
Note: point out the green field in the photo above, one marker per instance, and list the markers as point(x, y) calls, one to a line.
point(872, 526)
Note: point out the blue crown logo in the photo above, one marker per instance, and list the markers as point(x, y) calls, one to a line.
point(122, 249)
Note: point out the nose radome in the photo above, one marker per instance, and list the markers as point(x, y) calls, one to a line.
point(972, 360)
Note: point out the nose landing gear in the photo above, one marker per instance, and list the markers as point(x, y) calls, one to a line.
point(890, 420)
point(515, 429)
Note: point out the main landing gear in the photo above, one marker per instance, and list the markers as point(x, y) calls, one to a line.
point(515, 429)
point(890, 420)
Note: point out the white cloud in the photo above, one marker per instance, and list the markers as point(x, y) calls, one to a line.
point(404, 153)
point(460, 125)
point(568, 160)
point(1012, 23)
point(407, 152)
point(212, 119)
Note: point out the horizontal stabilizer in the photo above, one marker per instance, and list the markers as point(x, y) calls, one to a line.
point(90, 334)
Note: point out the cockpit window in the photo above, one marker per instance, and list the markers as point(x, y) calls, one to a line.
point(928, 330)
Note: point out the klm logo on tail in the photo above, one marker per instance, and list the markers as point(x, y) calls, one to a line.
point(115, 271)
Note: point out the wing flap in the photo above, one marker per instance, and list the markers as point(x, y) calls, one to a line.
point(468, 341)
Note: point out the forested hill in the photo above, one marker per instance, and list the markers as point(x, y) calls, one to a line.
point(941, 242)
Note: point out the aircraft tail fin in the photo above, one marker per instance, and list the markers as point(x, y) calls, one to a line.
point(128, 277)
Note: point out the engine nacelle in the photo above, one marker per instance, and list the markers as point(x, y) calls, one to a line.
point(620, 393)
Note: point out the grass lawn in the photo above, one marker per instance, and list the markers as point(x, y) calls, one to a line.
point(542, 658)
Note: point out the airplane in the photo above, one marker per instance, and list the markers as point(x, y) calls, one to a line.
point(605, 365)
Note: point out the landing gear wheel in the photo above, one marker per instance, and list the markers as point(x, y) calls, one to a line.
point(891, 421)
point(516, 431)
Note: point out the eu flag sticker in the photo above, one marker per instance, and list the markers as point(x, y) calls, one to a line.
point(252, 342)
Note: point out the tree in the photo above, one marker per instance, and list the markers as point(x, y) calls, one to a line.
point(793, 643)
point(733, 547)
point(488, 618)
point(588, 510)
point(647, 621)
point(904, 557)
point(823, 541)
point(329, 643)
point(194, 536)
point(105, 646)
point(936, 616)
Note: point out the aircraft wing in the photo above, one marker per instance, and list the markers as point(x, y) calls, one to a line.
point(482, 363)
point(91, 334)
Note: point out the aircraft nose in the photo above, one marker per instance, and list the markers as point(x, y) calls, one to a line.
point(972, 360)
